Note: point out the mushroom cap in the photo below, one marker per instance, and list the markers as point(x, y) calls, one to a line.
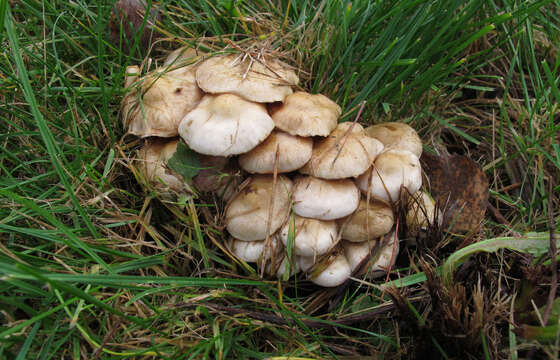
point(386, 257)
point(252, 251)
point(337, 272)
point(422, 212)
point(223, 125)
point(370, 221)
point(396, 135)
point(312, 237)
point(391, 170)
point(157, 102)
point(182, 55)
point(356, 252)
point(383, 258)
point(247, 213)
point(293, 153)
point(306, 114)
point(263, 82)
point(346, 152)
point(284, 266)
point(153, 157)
point(324, 199)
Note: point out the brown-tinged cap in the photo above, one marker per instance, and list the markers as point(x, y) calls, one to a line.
point(397, 135)
point(372, 220)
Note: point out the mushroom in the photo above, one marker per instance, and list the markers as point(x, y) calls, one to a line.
point(396, 135)
point(224, 125)
point(305, 114)
point(391, 171)
point(153, 157)
point(335, 273)
point(346, 152)
point(383, 258)
point(252, 251)
point(311, 237)
point(372, 220)
point(182, 56)
point(157, 102)
point(324, 199)
point(248, 213)
point(293, 153)
point(422, 212)
point(260, 80)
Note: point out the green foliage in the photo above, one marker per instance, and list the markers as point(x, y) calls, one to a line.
point(185, 162)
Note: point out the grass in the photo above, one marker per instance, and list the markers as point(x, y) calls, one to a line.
point(92, 265)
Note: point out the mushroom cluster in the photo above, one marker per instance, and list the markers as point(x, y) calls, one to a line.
point(318, 196)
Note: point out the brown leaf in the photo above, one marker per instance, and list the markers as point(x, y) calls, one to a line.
point(460, 187)
point(128, 15)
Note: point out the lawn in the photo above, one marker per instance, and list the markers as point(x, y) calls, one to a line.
point(95, 265)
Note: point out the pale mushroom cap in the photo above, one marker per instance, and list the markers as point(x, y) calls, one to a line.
point(370, 221)
point(386, 257)
point(293, 153)
point(153, 157)
point(262, 82)
point(159, 101)
point(284, 266)
point(397, 135)
point(356, 252)
point(312, 237)
point(337, 272)
point(391, 170)
point(247, 213)
point(182, 55)
point(422, 212)
point(307, 114)
point(306, 262)
point(223, 125)
point(252, 251)
point(346, 152)
point(324, 199)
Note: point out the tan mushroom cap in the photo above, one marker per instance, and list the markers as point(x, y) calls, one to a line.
point(324, 199)
point(293, 153)
point(153, 157)
point(370, 221)
point(397, 135)
point(336, 273)
point(183, 55)
point(247, 213)
point(422, 212)
point(224, 125)
point(346, 152)
point(260, 81)
point(157, 102)
point(305, 114)
point(391, 170)
point(312, 237)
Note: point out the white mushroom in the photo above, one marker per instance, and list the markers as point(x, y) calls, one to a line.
point(324, 199)
point(260, 81)
point(311, 237)
point(306, 114)
point(157, 102)
point(346, 152)
point(293, 153)
point(247, 213)
point(224, 125)
point(335, 273)
point(391, 171)
point(370, 221)
point(396, 135)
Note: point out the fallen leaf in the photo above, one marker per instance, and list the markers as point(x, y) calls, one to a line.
point(126, 22)
point(460, 187)
point(185, 162)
